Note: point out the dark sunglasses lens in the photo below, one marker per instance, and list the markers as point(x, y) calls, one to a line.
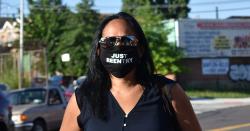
point(108, 42)
point(125, 41)
point(112, 41)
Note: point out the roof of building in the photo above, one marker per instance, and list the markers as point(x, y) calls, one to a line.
point(239, 17)
point(3, 20)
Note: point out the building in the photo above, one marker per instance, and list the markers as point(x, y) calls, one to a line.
point(217, 52)
point(9, 32)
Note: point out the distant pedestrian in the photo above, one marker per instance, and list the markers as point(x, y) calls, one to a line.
point(121, 91)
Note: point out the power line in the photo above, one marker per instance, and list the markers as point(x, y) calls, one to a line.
point(221, 10)
point(194, 12)
point(182, 5)
point(62, 7)
point(218, 2)
point(153, 6)
point(0, 7)
point(235, 9)
point(70, 7)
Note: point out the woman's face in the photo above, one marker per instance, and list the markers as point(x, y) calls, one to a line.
point(118, 50)
point(119, 27)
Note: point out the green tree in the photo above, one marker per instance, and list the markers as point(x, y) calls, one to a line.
point(44, 24)
point(165, 55)
point(169, 8)
point(9, 71)
point(63, 31)
point(172, 8)
point(77, 38)
point(130, 6)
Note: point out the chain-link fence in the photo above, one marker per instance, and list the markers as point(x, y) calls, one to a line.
point(34, 68)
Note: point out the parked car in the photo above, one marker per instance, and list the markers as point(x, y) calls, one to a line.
point(37, 109)
point(71, 88)
point(79, 80)
point(3, 87)
point(6, 124)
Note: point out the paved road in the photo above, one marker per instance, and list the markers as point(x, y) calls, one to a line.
point(223, 114)
point(229, 119)
point(206, 105)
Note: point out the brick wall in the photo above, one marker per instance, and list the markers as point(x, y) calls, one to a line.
point(193, 77)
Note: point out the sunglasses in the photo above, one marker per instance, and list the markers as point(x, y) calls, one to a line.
point(107, 42)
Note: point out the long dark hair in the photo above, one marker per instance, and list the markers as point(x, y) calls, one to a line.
point(98, 83)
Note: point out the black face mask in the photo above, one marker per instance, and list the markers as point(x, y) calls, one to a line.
point(119, 60)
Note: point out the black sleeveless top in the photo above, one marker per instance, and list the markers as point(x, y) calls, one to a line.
point(147, 115)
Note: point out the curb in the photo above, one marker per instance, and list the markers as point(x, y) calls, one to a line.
point(206, 105)
point(220, 100)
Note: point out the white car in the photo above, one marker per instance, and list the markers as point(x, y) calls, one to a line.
point(37, 109)
point(6, 124)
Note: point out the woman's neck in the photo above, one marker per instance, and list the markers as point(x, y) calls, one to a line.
point(125, 83)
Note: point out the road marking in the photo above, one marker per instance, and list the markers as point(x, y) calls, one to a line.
point(228, 128)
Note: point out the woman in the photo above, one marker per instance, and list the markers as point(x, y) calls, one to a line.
point(120, 91)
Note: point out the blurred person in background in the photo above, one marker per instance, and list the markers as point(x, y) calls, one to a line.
point(121, 91)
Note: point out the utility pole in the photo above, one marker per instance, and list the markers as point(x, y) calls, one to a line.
point(217, 12)
point(20, 83)
point(46, 66)
point(0, 8)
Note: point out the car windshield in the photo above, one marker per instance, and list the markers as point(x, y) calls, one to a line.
point(3, 87)
point(27, 97)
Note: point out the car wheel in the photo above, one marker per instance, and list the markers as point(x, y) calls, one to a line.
point(3, 127)
point(39, 126)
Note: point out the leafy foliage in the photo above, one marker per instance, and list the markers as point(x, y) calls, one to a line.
point(172, 8)
point(165, 55)
point(44, 24)
point(63, 31)
point(77, 38)
point(169, 9)
point(9, 72)
point(10, 78)
point(132, 5)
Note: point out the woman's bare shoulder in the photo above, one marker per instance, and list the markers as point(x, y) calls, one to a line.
point(70, 116)
point(183, 109)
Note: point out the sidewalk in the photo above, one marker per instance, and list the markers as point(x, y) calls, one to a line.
point(201, 105)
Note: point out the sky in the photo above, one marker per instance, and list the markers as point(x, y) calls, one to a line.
point(200, 9)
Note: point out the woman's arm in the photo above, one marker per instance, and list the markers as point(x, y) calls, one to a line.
point(184, 111)
point(69, 122)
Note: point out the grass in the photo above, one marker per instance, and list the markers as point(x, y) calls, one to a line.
point(218, 93)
